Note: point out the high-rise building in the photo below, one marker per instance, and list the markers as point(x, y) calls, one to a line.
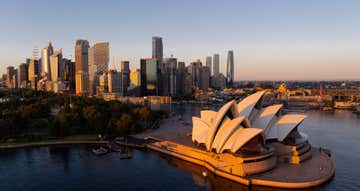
point(209, 64)
point(56, 66)
point(125, 69)
point(188, 82)
point(195, 72)
point(81, 67)
point(230, 68)
point(180, 77)
point(216, 63)
point(10, 72)
point(157, 48)
point(205, 78)
point(23, 75)
point(69, 74)
point(150, 71)
point(103, 85)
point(47, 51)
point(80, 83)
point(114, 81)
point(98, 64)
point(168, 76)
point(33, 73)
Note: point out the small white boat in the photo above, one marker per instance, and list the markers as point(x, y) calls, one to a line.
point(100, 151)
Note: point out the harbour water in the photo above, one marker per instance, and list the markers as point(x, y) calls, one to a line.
point(76, 168)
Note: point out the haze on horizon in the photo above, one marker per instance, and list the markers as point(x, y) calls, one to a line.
point(271, 39)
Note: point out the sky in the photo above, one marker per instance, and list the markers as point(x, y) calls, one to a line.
point(271, 39)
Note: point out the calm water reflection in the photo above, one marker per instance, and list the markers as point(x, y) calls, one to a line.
point(75, 168)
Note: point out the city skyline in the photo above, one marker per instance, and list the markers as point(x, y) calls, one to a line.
point(316, 42)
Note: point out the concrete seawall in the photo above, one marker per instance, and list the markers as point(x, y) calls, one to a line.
point(279, 177)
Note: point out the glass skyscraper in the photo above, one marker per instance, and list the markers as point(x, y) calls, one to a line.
point(157, 48)
point(149, 76)
point(230, 68)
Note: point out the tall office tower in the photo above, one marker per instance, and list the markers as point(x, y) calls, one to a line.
point(14, 82)
point(209, 63)
point(47, 51)
point(188, 83)
point(157, 48)
point(180, 77)
point(230, 68)
point(216, 62)
point(204, 78)
point(125, 69)
point(124, 65)
point(10, 72)
point(33, 73)
point(23, 75)
point(81, 67)
point(150, 72)
point(168, 76)
point(115, 82)
point(98, 64)
point(69, 74)
point(195, 72)
point(56, 66)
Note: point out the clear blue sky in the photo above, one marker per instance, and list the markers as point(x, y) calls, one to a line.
point(271, 39)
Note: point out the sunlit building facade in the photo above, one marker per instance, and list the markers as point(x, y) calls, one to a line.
point(47, 51)
point(150, 70)
point(81, 67)
point(98, 64)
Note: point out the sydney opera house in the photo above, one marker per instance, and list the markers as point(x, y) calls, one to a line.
point(254, 145)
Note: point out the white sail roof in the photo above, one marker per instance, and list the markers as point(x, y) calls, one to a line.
point(284, 126)
point(240, 138)
point(230, 106)
point(265, 116)
point(208, 116)
point(200, 130)
point(246, 106)
point(227, 130)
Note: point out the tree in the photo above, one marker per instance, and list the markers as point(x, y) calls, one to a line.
point(144, 113)
point(123, 124)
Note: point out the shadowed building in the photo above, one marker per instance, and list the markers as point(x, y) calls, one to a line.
point(125, 69)
point(216, 63)
point(209, 64)
point(23, 75)
point(157, 48)
point(69, 74)
point(180, 78)
point(195, 72)
point(204, 78)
